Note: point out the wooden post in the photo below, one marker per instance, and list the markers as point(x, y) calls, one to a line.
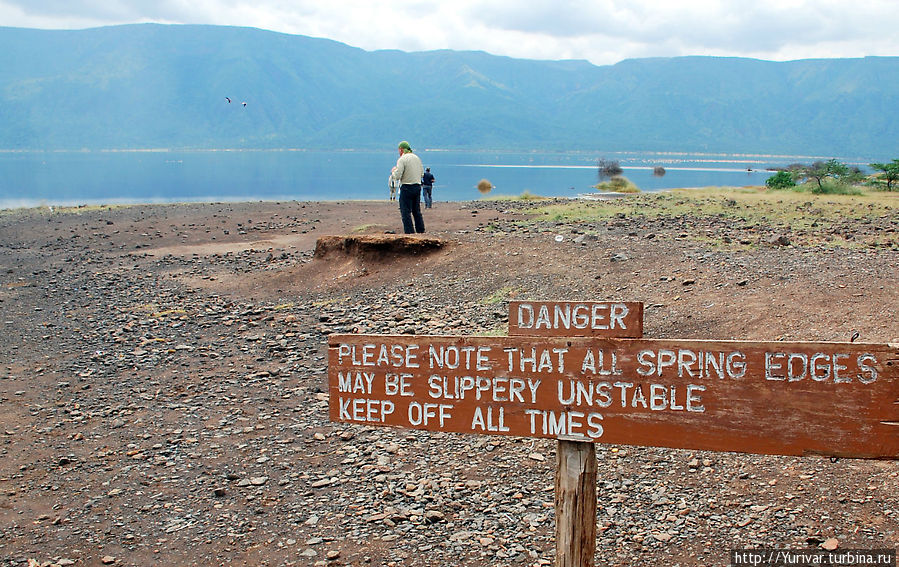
point(575, 503)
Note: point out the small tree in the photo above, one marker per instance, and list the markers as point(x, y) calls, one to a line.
point(890, 172)
point(830, 169)
point(607, 168)
point(780, 180)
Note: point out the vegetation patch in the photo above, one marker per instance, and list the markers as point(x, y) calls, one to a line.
point(495, 332)
point(817, 218)
point(617, 184)
point(524, 196)
point(369, 227)
point(500, 295)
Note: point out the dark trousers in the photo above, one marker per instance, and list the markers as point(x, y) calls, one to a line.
point(410, 208)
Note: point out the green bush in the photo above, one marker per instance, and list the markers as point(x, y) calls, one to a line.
point(780, 180)
point(618, 184)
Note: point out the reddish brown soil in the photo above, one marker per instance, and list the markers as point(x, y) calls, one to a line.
point(163, 388)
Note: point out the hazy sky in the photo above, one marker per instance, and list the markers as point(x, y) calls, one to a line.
point(601, 31)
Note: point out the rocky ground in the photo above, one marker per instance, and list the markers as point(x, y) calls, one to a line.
point(163, 387)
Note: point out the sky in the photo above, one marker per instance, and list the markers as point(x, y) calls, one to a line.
point(601, 31)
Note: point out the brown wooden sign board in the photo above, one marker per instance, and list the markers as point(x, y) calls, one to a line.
point(839, 399)
point(576, 318)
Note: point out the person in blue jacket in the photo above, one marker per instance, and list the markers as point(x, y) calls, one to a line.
point(427, 185)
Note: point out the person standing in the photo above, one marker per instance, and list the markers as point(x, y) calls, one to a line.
point(408, 172)
point(427, 185)
point(393, 184)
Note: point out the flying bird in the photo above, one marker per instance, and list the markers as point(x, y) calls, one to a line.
point(228, 99)
point(244, 104)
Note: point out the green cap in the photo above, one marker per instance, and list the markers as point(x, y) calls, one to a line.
point(404, 145)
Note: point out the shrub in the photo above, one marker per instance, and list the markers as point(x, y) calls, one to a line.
point(830, 172)
point(528, 196)
point(830, 187)
point(889, 173)
point(608, 168)
point(484, 186)
point(780, 180)
point(618, 184)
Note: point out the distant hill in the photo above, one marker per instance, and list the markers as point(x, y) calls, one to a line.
point(153, 86)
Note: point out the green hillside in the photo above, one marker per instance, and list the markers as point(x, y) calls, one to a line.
point(152, 86)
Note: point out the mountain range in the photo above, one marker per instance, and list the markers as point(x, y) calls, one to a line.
point(200, 87)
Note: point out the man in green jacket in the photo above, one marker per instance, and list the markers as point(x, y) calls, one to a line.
point(408, 172)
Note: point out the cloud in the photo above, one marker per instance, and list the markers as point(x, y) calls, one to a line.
point(602, 31)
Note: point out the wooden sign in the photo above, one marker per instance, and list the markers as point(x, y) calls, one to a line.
point(839, 399)
point(576, 318)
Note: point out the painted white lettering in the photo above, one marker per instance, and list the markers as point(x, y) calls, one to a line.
point(736, 365)
point(685, 360)
point(364, 410)
point(623, 386)
point(658, 397)
point(543, 318)
point(477, 420)
point(425, 414)
point(693, 399)
point(532, 362)
point(532, 414)
point(865, 364)
point(797, 366)
point(554, 424)
point(589, 362)
point(525, 315)
point(532, 387)
point(618, 312)
point(604, 394)
point(516, 387)
point(580, 316)
point(344, 381)
point(343, 351)
point(594, 427)
point(598, 317)
point(772, 365)
point(562, 316)
point(816, 367)
point(838, 368)
point(398, 384)
point(638, 397)
point(563, 399)
point(673, 405)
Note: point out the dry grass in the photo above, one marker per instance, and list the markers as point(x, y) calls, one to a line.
point(811, 214)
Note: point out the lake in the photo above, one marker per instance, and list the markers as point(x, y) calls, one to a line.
point(106, 177)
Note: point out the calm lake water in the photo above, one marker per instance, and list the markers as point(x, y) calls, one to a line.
point(74, 178)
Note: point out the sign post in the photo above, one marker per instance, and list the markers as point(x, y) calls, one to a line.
point(575, 482)
point(562, 374)
point(575, 503)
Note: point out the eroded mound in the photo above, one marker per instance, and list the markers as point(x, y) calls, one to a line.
point(375, 246)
